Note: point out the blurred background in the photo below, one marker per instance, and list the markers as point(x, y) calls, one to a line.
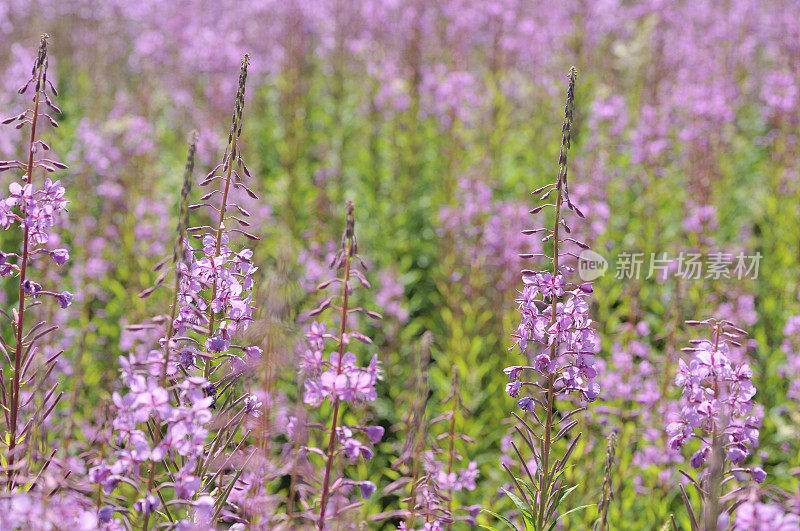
point(437, 119)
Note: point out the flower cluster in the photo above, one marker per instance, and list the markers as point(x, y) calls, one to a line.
point(229, 274)
point(390, 295)
point(338, 380)
point(35, 211)
point(555, 331)
point(484, 232)
point(184, 438)
point(215, 292)
point(717, 399)
point(27, 510)
point(638, 380)
point(570, 332)
point(464, 479)
point(636, 374)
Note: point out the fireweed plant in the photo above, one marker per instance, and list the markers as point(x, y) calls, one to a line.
point(607, 492)
point(432, 495)
point(182, 393)
point(33, 494)
point(410, 462)
point(716, 409)
point(340, 380)
point(424, 498)
point(559, 344)
point(33, 206)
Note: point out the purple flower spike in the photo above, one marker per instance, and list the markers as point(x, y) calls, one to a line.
point(716, 407)
point(717, 397)
point(555, 330)
point(338, 377)
point(33, 206)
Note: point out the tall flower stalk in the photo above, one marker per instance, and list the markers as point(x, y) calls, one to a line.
point(608, 485)
point(215, 294)
point(558, 341)
point(339, 379)
point(33, 211)
point(415, 426)
point(349, 245)
point(178, 257)
point(221, 324)
point(434, 494)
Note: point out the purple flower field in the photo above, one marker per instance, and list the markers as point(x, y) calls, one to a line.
point(400, 265)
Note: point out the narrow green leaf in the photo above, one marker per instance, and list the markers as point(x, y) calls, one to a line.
point(502, 518)
point(563, 493)
point(553, 525)
point(524, 510)
point(529, 488)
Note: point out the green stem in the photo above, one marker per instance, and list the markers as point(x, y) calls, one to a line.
point(452, 453)
point(711, 509)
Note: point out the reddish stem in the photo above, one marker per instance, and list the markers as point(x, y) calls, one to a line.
point(21, 308)
point(332, 437)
